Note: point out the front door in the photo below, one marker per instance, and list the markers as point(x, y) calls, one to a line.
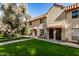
point(51, 33)
point(58, 33)
point(35, 32)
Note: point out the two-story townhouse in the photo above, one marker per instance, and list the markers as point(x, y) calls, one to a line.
point(59, 23)
point(72, 21)
point(37, 26)
point(55, 19)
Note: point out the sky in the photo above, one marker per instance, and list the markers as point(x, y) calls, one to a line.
point(36, 9)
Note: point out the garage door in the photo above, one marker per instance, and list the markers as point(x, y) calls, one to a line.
point(75, 33)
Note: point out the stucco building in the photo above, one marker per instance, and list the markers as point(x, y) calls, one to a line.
point(59, 23)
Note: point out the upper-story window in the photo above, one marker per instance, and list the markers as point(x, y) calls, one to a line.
point(41, 21)
point(30, 23)
point(75, 14)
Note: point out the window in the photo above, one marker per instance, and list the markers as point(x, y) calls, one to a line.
point(41, 21)
point(75, 14)
point(41, 32)
point(75, 33)
point(30, 23)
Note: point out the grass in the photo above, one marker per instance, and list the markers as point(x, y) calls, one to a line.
point(4, 39)
point(37, 48)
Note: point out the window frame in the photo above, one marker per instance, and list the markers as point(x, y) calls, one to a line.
point(75, 12)
point(74, 37)
point(41, 21)
point(41, 32)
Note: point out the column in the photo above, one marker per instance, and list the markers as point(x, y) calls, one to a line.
point(47, 33)
point(54, 33)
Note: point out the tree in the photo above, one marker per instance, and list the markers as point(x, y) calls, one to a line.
point(23, 18)
point(14, 18)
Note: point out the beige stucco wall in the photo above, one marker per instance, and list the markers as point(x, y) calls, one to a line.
point(65, 19)
point(61, 21)
point(52, 14)
point(71, 23)
point(51, 19)
point(36, 25)
point(56, 16)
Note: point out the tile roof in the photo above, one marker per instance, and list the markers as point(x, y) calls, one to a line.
point(38, 17)
point(69, 8)
point(74, 6)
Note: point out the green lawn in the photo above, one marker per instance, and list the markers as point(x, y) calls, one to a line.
point(4, 39)
point(38, 48)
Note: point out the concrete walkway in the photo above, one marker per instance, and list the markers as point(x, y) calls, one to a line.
point(8, 42)
point(60, 42)
point(48, 40)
